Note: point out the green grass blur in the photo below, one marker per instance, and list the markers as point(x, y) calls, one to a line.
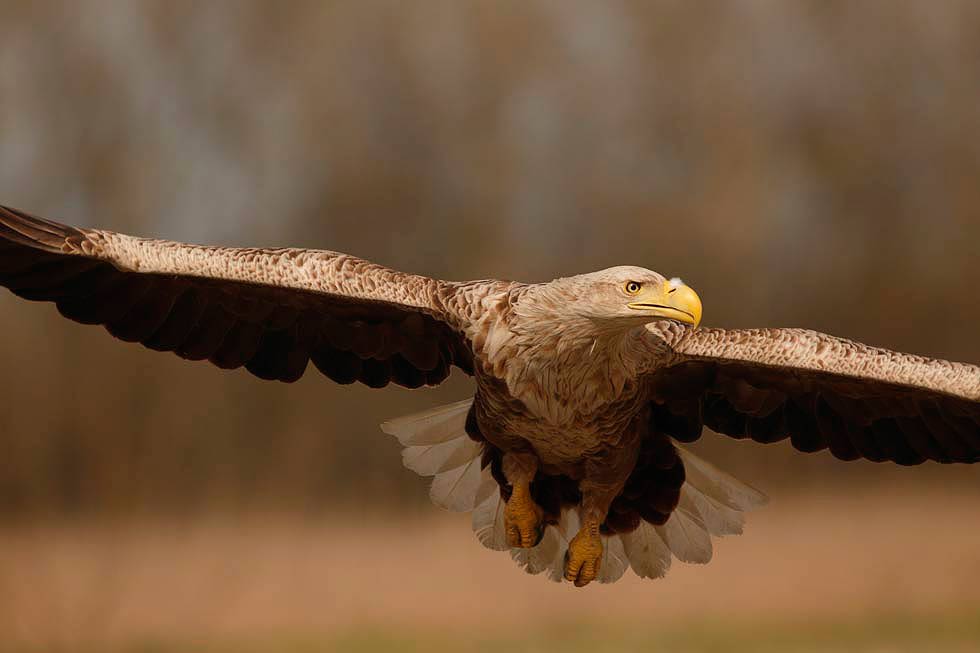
point(891, 634)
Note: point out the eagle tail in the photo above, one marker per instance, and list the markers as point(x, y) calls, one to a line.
point(436, 445)
point(712, 502)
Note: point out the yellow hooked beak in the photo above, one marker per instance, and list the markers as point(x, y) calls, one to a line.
point(672, 300)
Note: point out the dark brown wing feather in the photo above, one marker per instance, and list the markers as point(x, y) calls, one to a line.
point(274, 332)
point(734, 390)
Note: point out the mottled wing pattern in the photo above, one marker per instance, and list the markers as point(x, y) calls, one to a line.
point(821, 392)
point(271, 311)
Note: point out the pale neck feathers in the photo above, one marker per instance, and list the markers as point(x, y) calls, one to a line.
point(559, 363)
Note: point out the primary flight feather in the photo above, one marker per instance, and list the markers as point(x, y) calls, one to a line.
point(569, 453)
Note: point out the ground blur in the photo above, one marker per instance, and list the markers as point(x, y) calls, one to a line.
point(803, 163)
point(888, 570)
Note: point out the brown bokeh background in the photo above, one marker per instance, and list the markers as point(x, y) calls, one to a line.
point(800, 164)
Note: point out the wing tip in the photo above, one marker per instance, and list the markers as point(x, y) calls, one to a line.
point(27, 230)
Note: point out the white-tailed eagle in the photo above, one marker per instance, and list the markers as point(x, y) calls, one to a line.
point(569, 452)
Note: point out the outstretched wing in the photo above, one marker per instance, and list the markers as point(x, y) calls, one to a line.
point(268, 310)
point(821, 392)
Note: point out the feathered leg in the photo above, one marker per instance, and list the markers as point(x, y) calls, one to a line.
point(523, 518)
point(603, 481)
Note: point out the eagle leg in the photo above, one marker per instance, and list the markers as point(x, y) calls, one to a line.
point(604, 477)
point(523, 518)
point(584, 555)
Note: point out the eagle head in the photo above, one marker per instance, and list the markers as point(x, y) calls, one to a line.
point(629, 295)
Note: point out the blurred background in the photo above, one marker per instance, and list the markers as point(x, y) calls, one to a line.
point(804, 163)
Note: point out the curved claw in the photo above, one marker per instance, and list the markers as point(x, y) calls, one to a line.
point(584, 557)
point(523, 521)
point(524, 537)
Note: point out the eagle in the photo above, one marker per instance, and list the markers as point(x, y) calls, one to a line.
point(570, 454)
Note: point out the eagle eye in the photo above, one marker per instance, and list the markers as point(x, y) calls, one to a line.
point(633, 287)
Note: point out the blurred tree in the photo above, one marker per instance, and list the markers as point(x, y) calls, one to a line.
point(814, 151)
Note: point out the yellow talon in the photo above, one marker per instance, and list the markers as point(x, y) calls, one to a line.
point(523, 518)
point(584, 555)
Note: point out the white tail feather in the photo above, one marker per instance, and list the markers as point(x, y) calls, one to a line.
point(432, 426)
point(548, 556)
point(430, 459)
point(488, 523)
point(457, 489)
point(718, 485)
point(718, 518)
point(711, 503)
point(686, 535)
point(647, 552)
point(614, 561)
point(436, 445)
